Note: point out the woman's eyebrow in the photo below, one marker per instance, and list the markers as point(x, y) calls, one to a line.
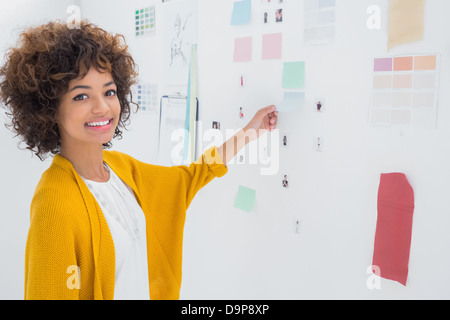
point(89, 87)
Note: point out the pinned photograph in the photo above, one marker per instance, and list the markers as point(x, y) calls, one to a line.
point(279, 15)
point(285, 182)
point(319, 104)
point(241, 156)
point(284, 140)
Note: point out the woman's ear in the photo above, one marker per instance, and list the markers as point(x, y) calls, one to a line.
point(56, 117)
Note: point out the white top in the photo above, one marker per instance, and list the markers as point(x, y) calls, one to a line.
point(126, 221)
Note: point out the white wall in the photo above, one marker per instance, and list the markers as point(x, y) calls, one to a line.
point(231, 254)
point(19, 170)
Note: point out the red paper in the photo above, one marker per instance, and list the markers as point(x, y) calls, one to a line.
point(394, 227)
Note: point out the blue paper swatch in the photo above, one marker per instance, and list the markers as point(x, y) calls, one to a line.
point(241, 12)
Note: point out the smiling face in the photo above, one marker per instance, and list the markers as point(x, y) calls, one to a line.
point(89, 111)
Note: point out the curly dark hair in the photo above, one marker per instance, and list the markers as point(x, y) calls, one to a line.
point(37, 73)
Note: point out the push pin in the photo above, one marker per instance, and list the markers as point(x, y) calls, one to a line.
point(242, 81)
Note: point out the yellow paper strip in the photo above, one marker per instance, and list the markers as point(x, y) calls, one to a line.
point(405, 22)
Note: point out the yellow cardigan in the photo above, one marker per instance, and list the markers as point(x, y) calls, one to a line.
point(68, 231)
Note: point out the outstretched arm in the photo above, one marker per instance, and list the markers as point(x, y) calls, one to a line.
point(265, 119)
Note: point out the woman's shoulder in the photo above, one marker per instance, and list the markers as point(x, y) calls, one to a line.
point(57, 192)
point(123, 161)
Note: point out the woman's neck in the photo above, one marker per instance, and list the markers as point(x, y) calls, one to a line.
point(87, 162)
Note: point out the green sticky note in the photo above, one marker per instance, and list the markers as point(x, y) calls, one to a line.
point(294, 75)
point(245, 199)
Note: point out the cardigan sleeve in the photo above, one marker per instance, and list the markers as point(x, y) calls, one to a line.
point(199, 173)
point(51, 271)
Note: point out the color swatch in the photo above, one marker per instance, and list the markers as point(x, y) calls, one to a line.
point(393, 233)
point(245, 199)
point(405, 91)
point(147, 97)
point(320, 18)
point(243, 49)
point(292, 101)
point(241, 12)
point(294, 75)
point(144, 21)
point(405, 22)
point(272, 46)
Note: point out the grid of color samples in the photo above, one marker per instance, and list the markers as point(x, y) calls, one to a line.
point(405, 91)
point(320, 18)
point(147, 97)
point(145, 21)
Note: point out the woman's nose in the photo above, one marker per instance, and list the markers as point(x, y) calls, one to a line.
point(100, 106)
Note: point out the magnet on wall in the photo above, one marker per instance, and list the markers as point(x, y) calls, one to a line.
point(241, 158)
point(318, 144)
point(285, 138)
point(279, 15)
point(320, 104)
point(242, 81)
point(285, 182)
point(216, 125)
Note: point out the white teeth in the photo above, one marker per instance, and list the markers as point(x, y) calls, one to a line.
point(95, 124)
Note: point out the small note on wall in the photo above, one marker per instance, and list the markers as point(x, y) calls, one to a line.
point(292, 102)
point(405, 22)
point(272, 46)
point(294, 75)
point(245, 199)
point(243, 49)
point(241, 12)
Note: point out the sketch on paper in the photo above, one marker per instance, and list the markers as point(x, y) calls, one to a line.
point(180, 33)
point(178, 48)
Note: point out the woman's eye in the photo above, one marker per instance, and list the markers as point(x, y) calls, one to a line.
point(80, 97)
point(111, 93)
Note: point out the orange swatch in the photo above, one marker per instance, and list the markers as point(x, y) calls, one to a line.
point(403, 63)
point(425, 63)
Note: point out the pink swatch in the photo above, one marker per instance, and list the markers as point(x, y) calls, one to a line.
point(394, 227)
point(243, 49)
point(383, 64)
point(272, 46)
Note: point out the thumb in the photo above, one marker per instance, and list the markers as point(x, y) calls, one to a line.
point(265, 111)
point(269, 109)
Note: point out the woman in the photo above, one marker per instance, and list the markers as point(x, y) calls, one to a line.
point(103, 225)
